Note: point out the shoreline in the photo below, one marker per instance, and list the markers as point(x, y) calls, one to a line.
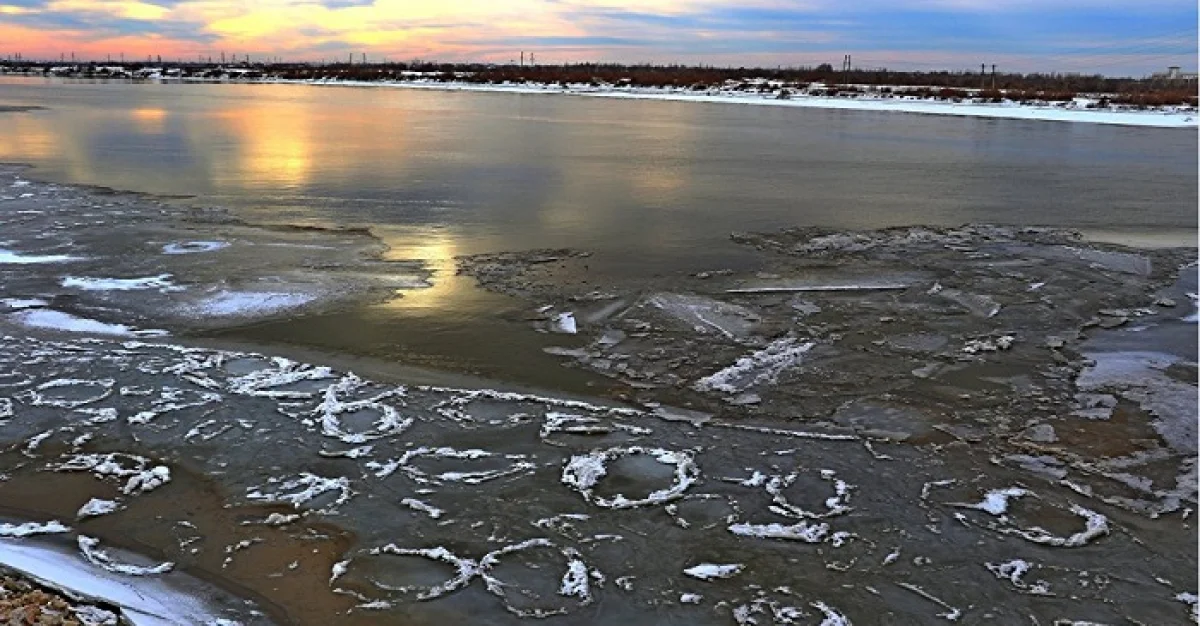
point(1141, 119)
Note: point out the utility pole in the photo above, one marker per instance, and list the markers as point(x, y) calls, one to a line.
point(982, 75)
point(364, 58)
point(522, 58)
point(993, 77)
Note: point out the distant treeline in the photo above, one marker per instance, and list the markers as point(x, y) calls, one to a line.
point(939, 84)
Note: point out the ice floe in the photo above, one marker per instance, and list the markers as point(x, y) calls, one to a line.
point(713, 571)
point(32, 528)
point(191, 247)
point(160, 282)
point(57, 320)
point(423, 507)
point(96, 507)
point(800, 531)
point(583, 472)
point(17, 258)
point(23, 303)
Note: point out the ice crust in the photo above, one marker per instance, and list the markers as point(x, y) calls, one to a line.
point(760, 367)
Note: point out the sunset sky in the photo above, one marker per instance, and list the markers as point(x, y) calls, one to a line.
point(1115, 37)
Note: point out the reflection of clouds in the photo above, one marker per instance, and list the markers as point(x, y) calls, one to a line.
point(273, 146)
point(28, 137)
point(150, 120)
point(437, 247)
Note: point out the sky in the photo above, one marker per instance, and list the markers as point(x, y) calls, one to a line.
point(1112, 37)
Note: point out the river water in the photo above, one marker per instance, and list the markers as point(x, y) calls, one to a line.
point(653, 188)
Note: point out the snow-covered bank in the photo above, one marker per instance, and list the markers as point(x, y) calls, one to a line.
point(1076, 111)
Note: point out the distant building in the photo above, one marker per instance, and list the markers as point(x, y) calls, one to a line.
point(1173, 73)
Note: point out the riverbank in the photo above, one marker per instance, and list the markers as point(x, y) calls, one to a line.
point(967, 423)
point(1083, 110)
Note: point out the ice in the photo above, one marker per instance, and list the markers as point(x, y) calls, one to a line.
point(758, 368)
point(331, 411)
point(23, 303)
point(1095, 526)
point(304, 488)
point(796, 286)
point(691, 598)
point(424, 507)
point(94, 616)
point(38, 398)
point(995, 502)
point(57, 320)
point(97, 507)
point(227, 303)
point(89, 546)
point(711, 571)
point(582, 473)
point(800, 531)
point(141, 476)
point(190, 247)
point(142, 601)
point(16, 258)
point(32, 528)
point(1011, 571)
point(952, 614)
point(148, 480)
point(831, 616)
point(564, 323)
point(706, 314)
point(161, 282)
point(517, 465)
point(575, 581)
point(835, 505)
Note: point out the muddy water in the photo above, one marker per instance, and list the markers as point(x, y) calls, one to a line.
point(652, 188)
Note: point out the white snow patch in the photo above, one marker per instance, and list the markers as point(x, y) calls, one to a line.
point(17, 258)
point(97, 507)
point(424, 507)
point(800, 531)
point(995, 502)
point(161, 282)
point(23, 303)
point(89, 546)
point(57, 320)
point(712, 571)
point(227, 303)
point(32, 528)
point(690, 598)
